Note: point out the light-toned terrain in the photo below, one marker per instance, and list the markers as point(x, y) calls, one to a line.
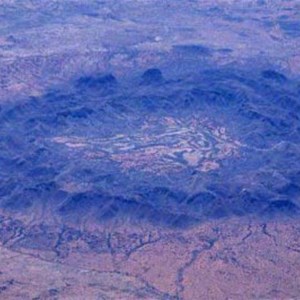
point(45, 44)
point(160, 146)
point(228, 259)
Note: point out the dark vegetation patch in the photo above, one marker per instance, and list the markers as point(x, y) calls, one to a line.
point(290, 27)
point(281, 207)
point(193, 50)
point(152, 76)
point(273, 75)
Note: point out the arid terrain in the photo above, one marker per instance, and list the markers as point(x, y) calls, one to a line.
point(230, 259)
point(149, 149)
